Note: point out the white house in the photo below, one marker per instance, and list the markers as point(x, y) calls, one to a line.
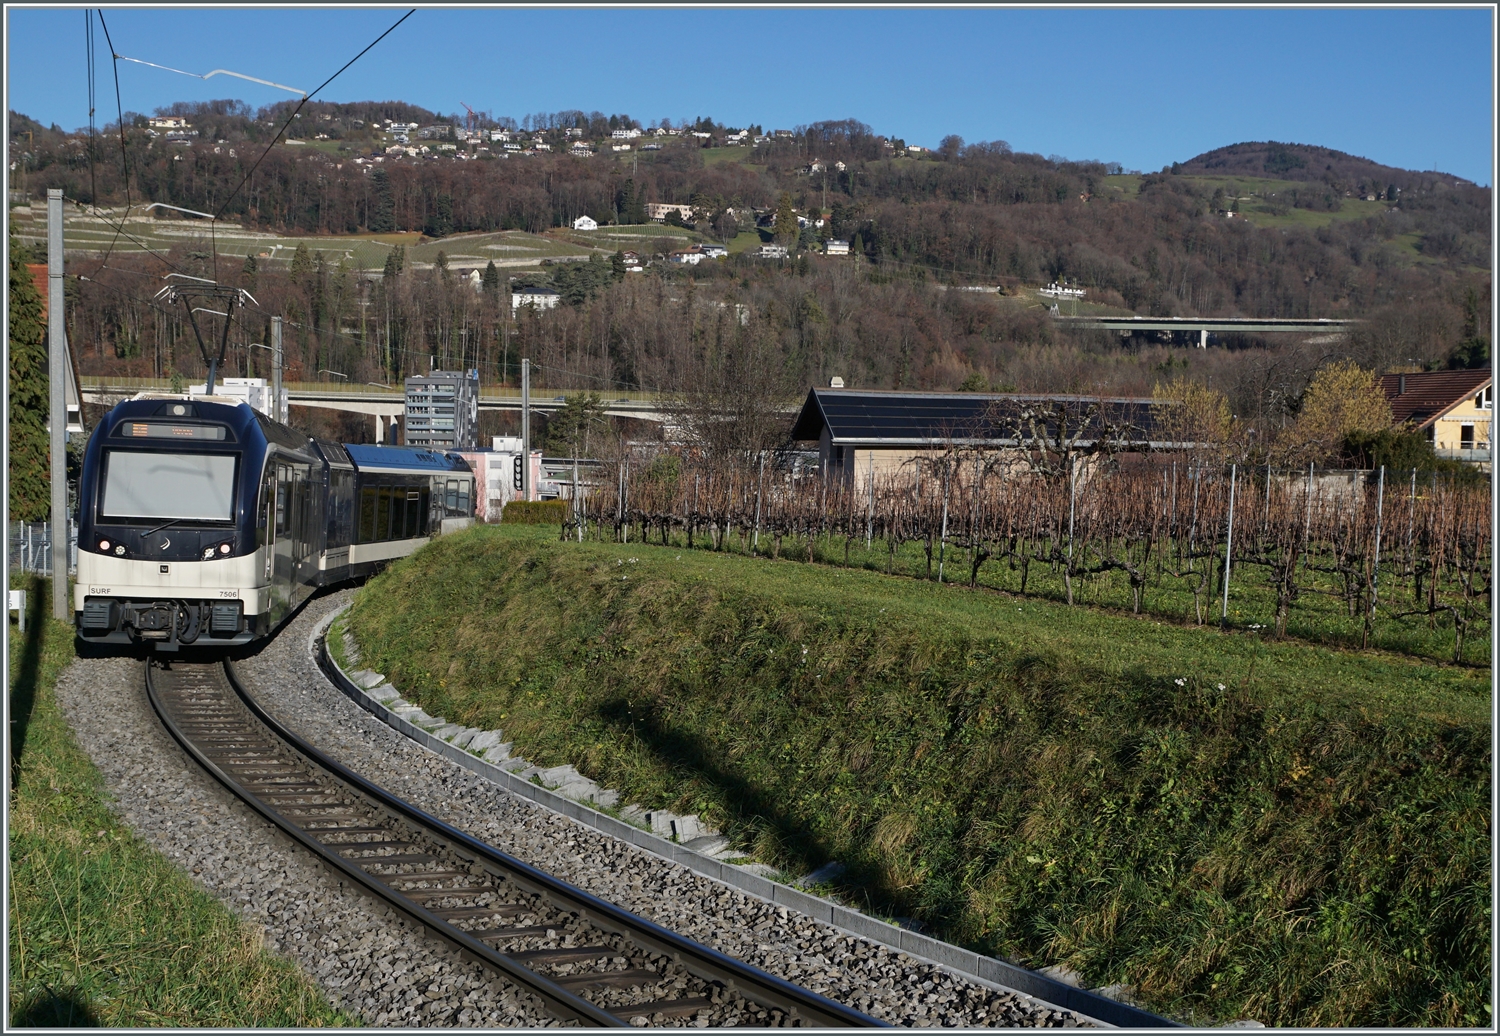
point(713, 251)
point(688, 256)
point(585, 223)
point(581, 149)
point(659, 211)
point(619, 147)
point(536, 298)
point(168, 122)
point(771, 252)
point(625, 134)
point(835, 247)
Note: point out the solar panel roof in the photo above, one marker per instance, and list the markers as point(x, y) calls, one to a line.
point(856, 416)
point(410, 458)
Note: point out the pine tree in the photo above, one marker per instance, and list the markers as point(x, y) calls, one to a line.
point(491, 279)
point(383, 209)
point(302, 262)
point(30, 499)
point(617, 265)
point(786, 220)
point(249, 270)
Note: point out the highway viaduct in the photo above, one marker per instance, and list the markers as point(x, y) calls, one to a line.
point(1204, 327)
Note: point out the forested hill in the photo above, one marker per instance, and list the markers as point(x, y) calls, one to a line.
point(1306, 162)
point(1413, 263)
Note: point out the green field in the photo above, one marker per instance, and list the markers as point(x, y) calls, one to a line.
point(1232, 826)
point(103, 929)
point(84, 232)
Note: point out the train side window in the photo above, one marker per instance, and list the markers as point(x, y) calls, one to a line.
point(463, 498)
point(398, 513)
point(383, 514)
point(450, 497)
point(368, 501)
point(283, 492)
point(413, 512)
point(424, 510)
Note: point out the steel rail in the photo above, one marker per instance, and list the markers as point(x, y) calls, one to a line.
point(701, 961)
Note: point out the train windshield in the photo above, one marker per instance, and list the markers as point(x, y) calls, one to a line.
point(182, 486)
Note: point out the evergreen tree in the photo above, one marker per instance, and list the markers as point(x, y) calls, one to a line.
point(440, 222)
point(30, 497)
point(302, 262)
point(249, 271)
point(786, 220)
point(395, 261)
point(490, 282)
point(383, 208)
point(617, 265)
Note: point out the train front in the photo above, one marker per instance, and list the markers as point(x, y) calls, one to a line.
point(170, 549)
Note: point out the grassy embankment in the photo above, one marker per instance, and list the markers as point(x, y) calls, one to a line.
point(103, 929)
point(1320, 615)
point(1234, 827)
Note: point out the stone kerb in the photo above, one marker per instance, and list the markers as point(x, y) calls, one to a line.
point(988, 971)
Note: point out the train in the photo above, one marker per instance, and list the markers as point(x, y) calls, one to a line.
point(204, 523)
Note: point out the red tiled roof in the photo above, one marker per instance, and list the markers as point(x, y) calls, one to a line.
point(1431, 393)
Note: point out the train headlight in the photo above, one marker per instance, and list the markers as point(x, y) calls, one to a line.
point(224, 548)
point(104, 544)
point(208, 552)
point(120, 550)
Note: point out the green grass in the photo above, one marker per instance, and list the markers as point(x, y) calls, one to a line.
point(716, 155)
point(1320, 614)
point(104, 930)
point(1236, 828)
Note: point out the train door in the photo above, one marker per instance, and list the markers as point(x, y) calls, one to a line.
point(281, 546)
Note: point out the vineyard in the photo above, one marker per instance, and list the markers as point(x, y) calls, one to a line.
point(1365, 559)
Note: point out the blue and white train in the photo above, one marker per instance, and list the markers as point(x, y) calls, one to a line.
point(205, 523)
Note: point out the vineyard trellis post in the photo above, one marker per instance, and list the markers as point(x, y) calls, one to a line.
point(943, 534)
point(1307, 517)
point(759, 481)
point(1379, 519)
point(1072, 510)
point(1228, 546)
point(870, 516)
point(1411, 516)
point(577, 501)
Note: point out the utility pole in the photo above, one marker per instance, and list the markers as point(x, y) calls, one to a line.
point(525, 429)
point(57, 412)
point(276, 408)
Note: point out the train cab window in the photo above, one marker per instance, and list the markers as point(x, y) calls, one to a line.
point(463, 498)
point(450, 497)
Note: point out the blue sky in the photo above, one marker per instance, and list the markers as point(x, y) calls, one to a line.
point(1143, 87)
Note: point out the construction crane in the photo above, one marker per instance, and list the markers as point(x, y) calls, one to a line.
point(472, 123)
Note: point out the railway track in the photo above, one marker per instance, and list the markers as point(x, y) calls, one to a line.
point(584, 959)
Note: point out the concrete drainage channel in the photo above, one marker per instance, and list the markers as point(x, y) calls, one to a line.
point(696, 847)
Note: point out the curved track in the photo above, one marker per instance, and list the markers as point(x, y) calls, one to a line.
point(584, 959)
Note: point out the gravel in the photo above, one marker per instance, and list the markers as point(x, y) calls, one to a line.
point(371, 962)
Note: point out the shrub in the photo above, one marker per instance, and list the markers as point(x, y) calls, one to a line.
point(534, 512)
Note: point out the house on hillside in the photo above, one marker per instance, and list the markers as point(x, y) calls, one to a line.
point(863, 430)
point(688, 256)
point(659, 211)
point(585, 223)
point(771, 252)
point(168, 122)
point(1455, 409)
point(836, 247)
point(536, 298)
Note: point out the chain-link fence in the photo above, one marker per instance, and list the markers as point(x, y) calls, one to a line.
point(31, 547)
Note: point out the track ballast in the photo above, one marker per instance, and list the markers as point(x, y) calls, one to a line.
point(583, 958)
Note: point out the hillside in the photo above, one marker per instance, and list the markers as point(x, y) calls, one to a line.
point(327, 212)
point(1307, 162)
